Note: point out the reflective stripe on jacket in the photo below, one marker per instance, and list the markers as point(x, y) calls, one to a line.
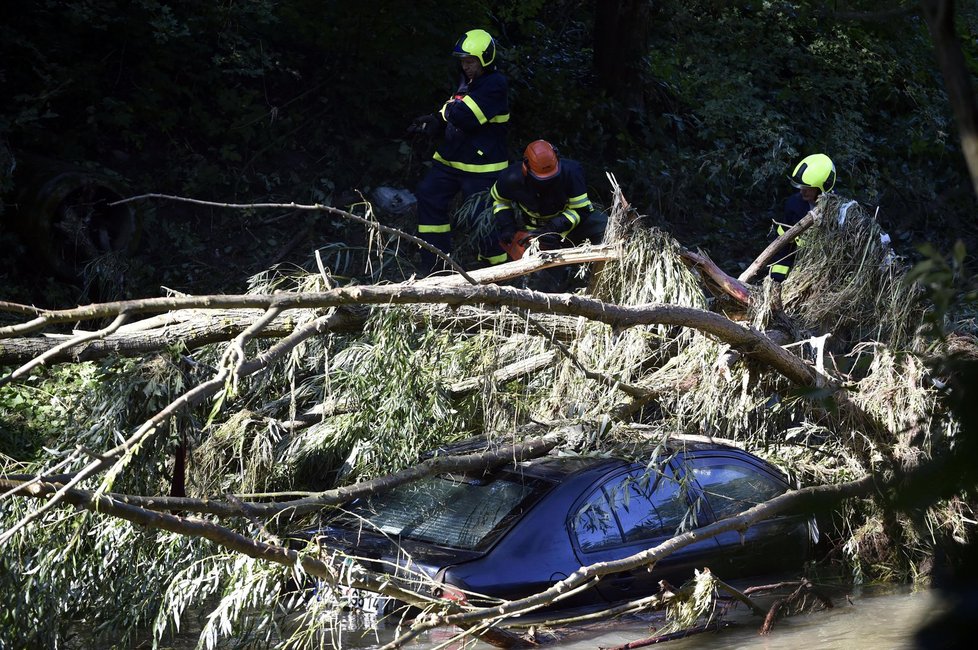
point(795, 208)
point(558, 204)
point(475, 130)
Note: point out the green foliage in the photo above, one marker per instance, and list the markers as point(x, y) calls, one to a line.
point(37, 411)
point(85, 576)
point(400, 410)
point(950, 289)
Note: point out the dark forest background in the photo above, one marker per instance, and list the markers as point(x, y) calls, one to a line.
point(699, 109)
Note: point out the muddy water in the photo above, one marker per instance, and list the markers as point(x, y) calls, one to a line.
point(878, 618)
point(868, 619)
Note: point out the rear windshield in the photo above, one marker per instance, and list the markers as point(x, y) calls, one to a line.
point(445, 510)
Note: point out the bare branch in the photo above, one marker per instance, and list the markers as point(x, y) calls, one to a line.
point(768, 254)
point(314, 208)
point(618, 316)
point(731, 286)
point(16, 308)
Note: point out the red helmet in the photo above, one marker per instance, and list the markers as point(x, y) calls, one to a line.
point(541, 160)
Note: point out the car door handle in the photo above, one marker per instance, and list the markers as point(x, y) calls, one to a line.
point(624, 581)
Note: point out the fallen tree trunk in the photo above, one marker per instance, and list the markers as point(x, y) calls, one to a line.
point(753, 343)
point(730, 286)
point(193, 329)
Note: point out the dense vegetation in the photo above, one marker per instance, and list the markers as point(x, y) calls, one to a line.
point(698, 109)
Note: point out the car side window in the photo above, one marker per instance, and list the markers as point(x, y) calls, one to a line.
point(670, 505)
point(645, 507)
point(732, 488)
point(594, 525)
point(630, 508)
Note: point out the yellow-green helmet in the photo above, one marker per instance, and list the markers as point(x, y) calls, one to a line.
point(477, 43)
point(816, 170)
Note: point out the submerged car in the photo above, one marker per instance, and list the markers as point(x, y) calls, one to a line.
point(523, 527)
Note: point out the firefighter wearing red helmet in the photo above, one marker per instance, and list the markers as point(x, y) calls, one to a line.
point(544, 197)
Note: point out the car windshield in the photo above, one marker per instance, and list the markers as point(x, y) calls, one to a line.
point(444, 510)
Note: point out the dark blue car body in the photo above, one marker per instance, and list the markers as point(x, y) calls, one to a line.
point(529, 525)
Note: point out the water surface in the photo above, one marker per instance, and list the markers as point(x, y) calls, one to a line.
point(882, 618)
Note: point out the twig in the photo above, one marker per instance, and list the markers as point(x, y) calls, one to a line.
point(47, 477)
point(235, 349)
point(733, 287)
point(315, 208)
point(649, 602)
point(17, 308)
point(804, 587)
point(741, 596)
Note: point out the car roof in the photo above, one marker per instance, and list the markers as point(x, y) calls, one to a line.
point(558, 466)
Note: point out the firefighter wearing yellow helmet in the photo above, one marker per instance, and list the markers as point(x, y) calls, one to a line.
point(816, 172)
point(472, 152)
point(477, 43)
point(814, 175)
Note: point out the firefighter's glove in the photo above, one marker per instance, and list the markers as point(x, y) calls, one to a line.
point(428, 125)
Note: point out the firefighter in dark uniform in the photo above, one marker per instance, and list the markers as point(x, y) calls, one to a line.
point(814, 175)
point(544, 198)
point(473, 150)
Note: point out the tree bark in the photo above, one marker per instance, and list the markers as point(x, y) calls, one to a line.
point(730, 286)
point(769, 253)
point(193, 329)
point(957, 79)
